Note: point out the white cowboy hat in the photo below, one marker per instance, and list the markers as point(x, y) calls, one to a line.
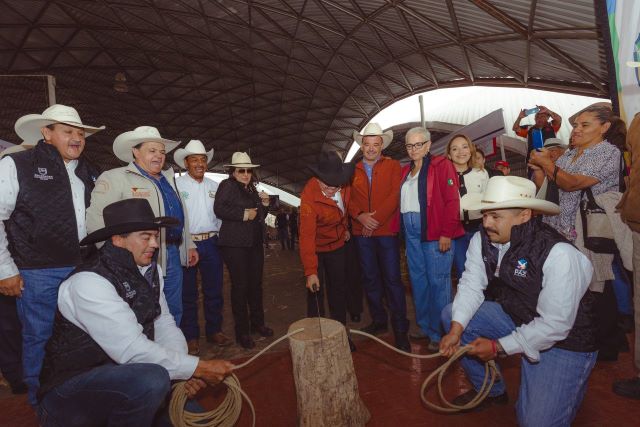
point(16, 148)
point(374, 129)
point(193, 147)
point(28, 127)
point(241, 160)
point(124, 143)
point(505, 192)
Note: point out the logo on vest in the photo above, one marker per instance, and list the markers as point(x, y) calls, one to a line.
point(521, 268)
point(212, 194)
point(140, 192)
point(130, 293)
point(42, 175)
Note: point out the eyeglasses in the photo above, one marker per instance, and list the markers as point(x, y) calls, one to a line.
point(416, 146)
point(243, 171)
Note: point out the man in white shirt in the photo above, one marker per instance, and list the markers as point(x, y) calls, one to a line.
point(524, 290)
point(115, 346)
point(44, 193)
point(198, 193)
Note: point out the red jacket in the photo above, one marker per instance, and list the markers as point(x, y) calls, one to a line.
point(443, 199)
point(323, 226)
point(382, 196)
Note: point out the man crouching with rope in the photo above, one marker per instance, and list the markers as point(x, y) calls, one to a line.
point(115, 347)
point(536, 303)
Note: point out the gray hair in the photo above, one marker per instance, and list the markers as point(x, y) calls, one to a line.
point(419, 130)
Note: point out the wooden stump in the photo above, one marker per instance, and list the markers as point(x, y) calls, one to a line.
point(326, 383)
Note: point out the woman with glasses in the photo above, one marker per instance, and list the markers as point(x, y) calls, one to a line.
point(323, 233)
point(429, 204)
point(471, 179)
point(242, 211)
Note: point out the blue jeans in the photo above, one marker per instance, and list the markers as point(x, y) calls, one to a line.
point(173, 282)
point(551, 390)
point(380, 263)
point(113, 395)
point(210, 266)
point(460, 251)
point(430, 272)
point(36, 309)
point(622, 287)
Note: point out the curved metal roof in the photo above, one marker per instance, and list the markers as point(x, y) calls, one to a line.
point(280, 78)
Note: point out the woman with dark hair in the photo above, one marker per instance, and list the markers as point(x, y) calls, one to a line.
point(242, 210)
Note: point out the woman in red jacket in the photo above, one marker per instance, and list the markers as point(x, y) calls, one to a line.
point(323, 232)
point(429, 204)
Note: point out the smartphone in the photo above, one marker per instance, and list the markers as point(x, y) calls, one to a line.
point(530, 111)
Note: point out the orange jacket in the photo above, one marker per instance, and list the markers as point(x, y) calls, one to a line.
point(323, 226)
point(381, 196)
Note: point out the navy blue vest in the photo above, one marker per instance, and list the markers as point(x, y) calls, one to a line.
point(520, 281)
point(70, 351)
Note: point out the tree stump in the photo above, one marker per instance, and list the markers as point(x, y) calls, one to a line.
point(326, 383)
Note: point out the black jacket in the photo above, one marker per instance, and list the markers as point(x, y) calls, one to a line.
point(232, 198)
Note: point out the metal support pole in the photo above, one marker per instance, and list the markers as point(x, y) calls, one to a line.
point(422, 121)
point(51, 89)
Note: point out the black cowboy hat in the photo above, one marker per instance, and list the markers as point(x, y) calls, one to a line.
point(126, 216)
point(331, 170)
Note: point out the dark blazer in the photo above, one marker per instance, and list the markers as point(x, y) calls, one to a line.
point(232, 198)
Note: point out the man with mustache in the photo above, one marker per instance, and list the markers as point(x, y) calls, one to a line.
point(540, 305)
point(44, 193)
point(198, 193)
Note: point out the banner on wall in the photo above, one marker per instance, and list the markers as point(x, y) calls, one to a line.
point(624, 27)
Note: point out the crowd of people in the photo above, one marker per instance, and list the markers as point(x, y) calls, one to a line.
point(98, 271)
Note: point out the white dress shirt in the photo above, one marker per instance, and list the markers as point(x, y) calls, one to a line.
point(566, 277)
point(90, 302)
point(9, 188)
point(409, 201)
point(198, 198)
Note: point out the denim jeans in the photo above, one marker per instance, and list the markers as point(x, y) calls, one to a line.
point(210, 266)
point(430, 272)
point(460, 251)
point(36, 310)
point(380, 263)
point(173, 283)
point(551, 390)
point(622, 287)
point(113, 395)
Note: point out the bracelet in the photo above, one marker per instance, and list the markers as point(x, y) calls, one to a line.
point(494, 347)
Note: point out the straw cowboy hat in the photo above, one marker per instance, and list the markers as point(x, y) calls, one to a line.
point(505, 192)
point(240, 160)
point(124, 143)
point(16, 149)
point(331, 170)
point(193, 147)
point(126, 216)
point(28, 127)
point(374, 129)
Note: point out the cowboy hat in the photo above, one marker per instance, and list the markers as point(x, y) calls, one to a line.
point(554, 142)
point(126, 216)
point(240, 160)
point(505, 192)
point(193, 147)
point(16, 149)
point(374, 129)
point(124, 143)
point(29, 127)
point(331, 170)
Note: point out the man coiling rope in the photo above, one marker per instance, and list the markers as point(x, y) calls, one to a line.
point(228, 412)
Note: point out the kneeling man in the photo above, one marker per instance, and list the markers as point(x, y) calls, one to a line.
point(115, 347)
point(540, 305)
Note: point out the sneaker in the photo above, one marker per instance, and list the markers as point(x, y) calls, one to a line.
point(375, 328)
point(467, 397)
point(627, 388)
point(193, 347)
point(219, 339)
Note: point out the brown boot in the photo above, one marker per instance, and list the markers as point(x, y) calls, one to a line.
point(194, 347)
point(219, 339)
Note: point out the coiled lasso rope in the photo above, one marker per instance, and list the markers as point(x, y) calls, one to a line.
point(490, 369)
point(228, 412)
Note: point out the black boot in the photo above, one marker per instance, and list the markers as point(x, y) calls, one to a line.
point(375, 328)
